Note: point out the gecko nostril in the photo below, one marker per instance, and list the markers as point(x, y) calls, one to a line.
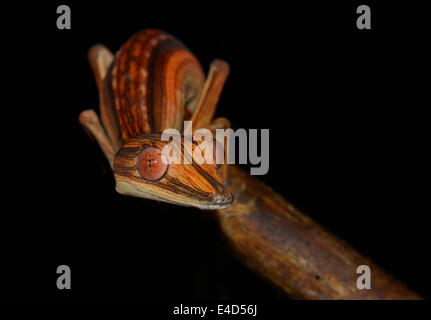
point(225, 198)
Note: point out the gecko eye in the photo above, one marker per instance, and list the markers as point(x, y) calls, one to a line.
point(150, 164)
point(218, 153)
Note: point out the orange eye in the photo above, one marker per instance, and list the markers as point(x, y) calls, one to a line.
point(150, 164)
point(218, 153)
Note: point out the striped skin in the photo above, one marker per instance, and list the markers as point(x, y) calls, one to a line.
point(153, 80)
point(198, 185)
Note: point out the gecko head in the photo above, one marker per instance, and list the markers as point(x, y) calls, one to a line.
point(167, 171)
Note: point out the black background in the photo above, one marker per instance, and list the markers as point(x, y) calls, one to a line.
point(346, 113)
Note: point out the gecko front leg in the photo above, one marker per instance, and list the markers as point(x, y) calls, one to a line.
point(100, 58)
point(90, 121)
point(221, 123)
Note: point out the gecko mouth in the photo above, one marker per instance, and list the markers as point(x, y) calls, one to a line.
point(216, 201)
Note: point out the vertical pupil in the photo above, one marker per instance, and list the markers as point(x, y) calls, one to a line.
point(150, 164)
